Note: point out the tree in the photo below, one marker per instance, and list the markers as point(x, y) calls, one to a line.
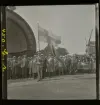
point(62, 51)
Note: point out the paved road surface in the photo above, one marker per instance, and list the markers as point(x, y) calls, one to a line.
point(81, 86)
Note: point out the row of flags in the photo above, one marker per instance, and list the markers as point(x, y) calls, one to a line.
point(49, 38)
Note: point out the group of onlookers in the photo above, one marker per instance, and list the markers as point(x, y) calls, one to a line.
point(40, 66)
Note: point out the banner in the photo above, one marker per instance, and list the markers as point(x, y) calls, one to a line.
point(47, 36)
point(42, 34)
point(50, 38)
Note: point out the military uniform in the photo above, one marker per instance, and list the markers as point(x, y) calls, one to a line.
point(74, 65)
point(44, 66)
point(28, 59)
point(14, 68)
point(91, 65)
point(19, 67)
point(30, 68)
point(39, 67)
point(50, 66)
point(34, 67)
point(61, 65)
point(8, 68)
point(24, 67)
point(56, 66)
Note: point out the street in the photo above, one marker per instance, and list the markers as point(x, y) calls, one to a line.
point(80, 86)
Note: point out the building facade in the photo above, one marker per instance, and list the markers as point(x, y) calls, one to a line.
point(20, 37)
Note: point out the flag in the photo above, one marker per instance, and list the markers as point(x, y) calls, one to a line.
point(55, 39)
point(50, 38)
point(42, 34)
point(53, 50)
point(50, 49)
point(46, 36)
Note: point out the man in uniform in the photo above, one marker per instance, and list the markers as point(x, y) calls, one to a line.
point(56, 65)
point(50, 65)
point(8, 68)
point(43, 65)
point(11, 67)
point(28, 60)
point(39, 66)
point(74, 64)
point(24, 66)
point(30, 67)
point(66, 64)
point(14, 67)
point(91, 64)
point(19, 67)
point(34, 66)
point(61, 65)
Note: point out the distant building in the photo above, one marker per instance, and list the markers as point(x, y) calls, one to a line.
point(90, 48)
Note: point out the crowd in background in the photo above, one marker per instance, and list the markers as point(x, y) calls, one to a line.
point(40, 66)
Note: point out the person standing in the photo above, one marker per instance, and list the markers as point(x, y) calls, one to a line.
point(14, 67)
point(50, 65)
point(66, 64)
point(34, 66)
point(8, 68)
point(56, 66)
point(39, 67)
point(91, 64)
point(30, 67)
point(74, 64)
point(19, 66)
point(43, 65)
point(23, 66)
point(28, 60)
point(11, 68)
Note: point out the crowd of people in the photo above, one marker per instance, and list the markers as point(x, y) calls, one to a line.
point(40, 66)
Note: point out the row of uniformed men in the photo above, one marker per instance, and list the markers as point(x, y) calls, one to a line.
point(25, 67)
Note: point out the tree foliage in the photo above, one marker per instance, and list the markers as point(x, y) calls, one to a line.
point(62, 51)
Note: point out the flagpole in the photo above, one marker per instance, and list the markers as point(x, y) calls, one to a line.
point(38, 36)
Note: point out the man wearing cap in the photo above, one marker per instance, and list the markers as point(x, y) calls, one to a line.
point(43, 65)
point(34, 66)
point(56, 66)
point(66, 64)
point(50, 65)
point(39, 67)
point(8, 68)
point(24, 66)
point(28, 60)
point(30, 67)
point(14, 67)
point(74, 64)
point(19, 66)
point(91, 64)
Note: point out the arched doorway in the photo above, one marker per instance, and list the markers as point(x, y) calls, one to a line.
point(20, 38)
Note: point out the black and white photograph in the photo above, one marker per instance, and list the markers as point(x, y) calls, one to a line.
point(51, 52)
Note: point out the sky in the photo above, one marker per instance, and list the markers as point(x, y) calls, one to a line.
point(72, 22)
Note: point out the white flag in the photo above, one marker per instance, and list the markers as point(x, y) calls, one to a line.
point(42, 34)
point(47, 36)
